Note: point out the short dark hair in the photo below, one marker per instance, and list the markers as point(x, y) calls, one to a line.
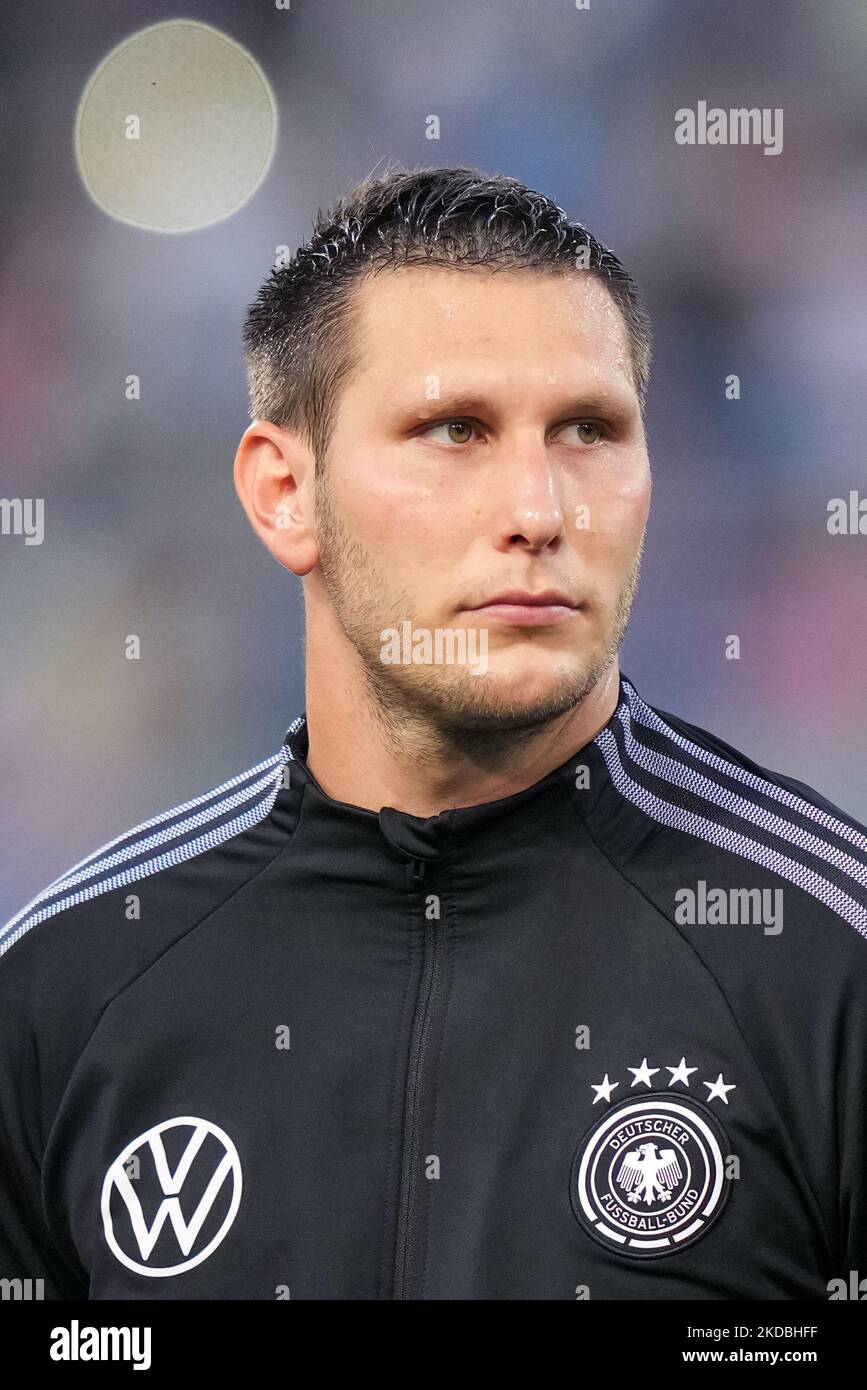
point(297, 337)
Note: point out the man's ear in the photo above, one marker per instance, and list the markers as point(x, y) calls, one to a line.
point(274, 481)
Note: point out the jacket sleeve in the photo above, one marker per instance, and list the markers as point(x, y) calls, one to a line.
point(851, 1087)
point(28, 1251)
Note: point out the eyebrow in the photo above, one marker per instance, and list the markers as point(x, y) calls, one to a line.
point(593, 402)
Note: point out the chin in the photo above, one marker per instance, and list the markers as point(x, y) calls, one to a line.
point(533, 680)
point(496, 701)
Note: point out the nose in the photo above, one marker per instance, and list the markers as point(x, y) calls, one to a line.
point(533, 512)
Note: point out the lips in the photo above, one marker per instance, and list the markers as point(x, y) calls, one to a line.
point(518, 598)
point(519, 608)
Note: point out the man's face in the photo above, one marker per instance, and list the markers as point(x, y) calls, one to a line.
point(489, 444)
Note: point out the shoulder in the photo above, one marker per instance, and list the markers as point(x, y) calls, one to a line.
point(86, 938)
point(740, 817)
point(184, 860)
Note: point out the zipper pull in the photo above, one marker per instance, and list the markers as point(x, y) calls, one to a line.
point(415, 872)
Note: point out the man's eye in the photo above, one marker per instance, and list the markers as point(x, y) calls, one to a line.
point(589, 431)
point(459, 431)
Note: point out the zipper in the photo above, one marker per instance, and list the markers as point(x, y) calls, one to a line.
point(405, 1245)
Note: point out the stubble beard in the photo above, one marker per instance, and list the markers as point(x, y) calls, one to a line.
point(431, 707)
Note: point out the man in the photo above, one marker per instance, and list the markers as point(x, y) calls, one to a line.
point(493, 982)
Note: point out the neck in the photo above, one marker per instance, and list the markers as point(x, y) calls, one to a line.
point(367, 756)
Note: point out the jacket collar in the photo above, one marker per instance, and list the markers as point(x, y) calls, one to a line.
point(428, 838)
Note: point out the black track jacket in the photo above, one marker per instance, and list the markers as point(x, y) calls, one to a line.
point(604, 1038)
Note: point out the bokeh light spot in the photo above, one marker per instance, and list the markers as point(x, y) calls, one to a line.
point(204, 124)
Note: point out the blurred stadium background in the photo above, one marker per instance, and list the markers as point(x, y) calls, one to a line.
point(753, 264)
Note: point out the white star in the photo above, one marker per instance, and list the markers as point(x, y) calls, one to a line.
point(603, 1092)
point(717, 1089)
point(643, 1073)
point(681, 1072)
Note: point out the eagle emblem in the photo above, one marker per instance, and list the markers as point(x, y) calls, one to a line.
point(649, 1177)
point(644, 1176)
